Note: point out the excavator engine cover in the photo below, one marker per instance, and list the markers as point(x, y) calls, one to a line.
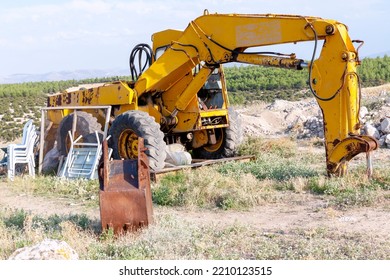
point(125, 195)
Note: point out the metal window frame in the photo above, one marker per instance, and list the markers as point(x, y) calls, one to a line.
point(75, 109)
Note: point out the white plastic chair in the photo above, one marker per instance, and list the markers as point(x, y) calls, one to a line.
point(24, 152)
point(82, 159)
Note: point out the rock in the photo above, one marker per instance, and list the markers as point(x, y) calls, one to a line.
point(313, 127)
point(177, 155)
point(48, 249)
point(385, 125)
point(370, 130)
point(363, 112)
point(387, 140)
point(381, 141)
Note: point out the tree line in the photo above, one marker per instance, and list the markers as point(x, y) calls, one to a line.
point(39, 88)
point(372, 72)
point(248, 83)
point(244, 83)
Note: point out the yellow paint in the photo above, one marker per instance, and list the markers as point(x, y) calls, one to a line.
point(169, 87)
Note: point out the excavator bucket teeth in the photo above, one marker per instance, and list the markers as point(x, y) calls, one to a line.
point(125, 195)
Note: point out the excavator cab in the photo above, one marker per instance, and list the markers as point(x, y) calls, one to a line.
point(211, 95)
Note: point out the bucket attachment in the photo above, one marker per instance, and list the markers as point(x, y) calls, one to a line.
point(125, 195)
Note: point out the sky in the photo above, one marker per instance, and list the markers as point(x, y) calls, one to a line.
point(41, 36)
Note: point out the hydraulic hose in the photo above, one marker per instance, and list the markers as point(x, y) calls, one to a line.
point(138, 64)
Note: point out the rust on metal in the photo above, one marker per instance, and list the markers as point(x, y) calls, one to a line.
point(125, 194)
point(345, 150)
point(87, 96)
point(58, 101)
point(68, 97)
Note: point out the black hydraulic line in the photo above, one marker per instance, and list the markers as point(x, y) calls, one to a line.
point(311, 68)
point(136, 55)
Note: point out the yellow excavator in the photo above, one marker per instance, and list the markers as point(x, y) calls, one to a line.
point(178, 93)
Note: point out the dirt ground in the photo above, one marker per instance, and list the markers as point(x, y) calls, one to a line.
point(302, 210)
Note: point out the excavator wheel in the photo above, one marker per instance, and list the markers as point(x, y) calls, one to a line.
point(86, 126)
point(227, 142)
point(125, 131)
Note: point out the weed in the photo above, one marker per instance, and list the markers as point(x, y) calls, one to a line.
point(53, 222)
point(171, 238)
point(209, 188)
point(171, 191)
point(279, 147)
point(83, 190)
point(268, 167)
point(235, 241)
point(15, 219)
point(279, 171)
point(352, 190)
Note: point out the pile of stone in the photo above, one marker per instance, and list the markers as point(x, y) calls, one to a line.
point(380, 131)
point(377, 124)
point(307, 126)
point(312, 127)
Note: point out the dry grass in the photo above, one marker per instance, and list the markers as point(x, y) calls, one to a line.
point(279, 171)
point(170, 238)
point(208, 188)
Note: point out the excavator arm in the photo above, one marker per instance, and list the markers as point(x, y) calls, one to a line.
point(215, 39)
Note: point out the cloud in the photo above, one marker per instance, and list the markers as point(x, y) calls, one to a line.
point(90, 7)
point(84, 20)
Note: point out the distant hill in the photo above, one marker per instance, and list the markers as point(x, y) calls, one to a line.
point(62, 76)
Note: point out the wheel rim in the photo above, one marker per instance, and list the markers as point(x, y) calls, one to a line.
point(128, 144)
point(215, 147)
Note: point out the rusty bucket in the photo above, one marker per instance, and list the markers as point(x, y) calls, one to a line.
point(125, 195)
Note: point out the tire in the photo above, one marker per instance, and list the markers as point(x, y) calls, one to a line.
point(86, 125)
point(125, 131)
point(228, 140)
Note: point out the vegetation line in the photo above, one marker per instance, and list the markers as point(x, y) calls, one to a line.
point(245, 85)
